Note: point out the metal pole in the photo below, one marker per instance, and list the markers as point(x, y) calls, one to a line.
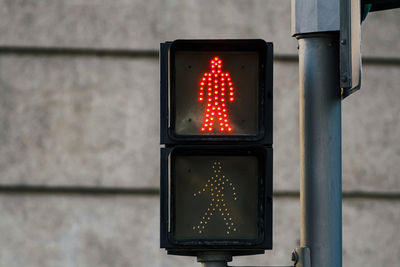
point(214, 259)
point(320, 148)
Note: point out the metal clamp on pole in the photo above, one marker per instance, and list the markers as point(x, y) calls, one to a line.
point(301, 257)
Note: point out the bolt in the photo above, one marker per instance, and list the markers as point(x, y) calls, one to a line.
point(295, 257)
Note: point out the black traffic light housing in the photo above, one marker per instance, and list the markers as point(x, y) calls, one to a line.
point(216, 154)
point(239, 221)
point(377, 5)
point(188, 60)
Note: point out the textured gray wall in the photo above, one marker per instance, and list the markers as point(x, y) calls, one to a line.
point(82, 120)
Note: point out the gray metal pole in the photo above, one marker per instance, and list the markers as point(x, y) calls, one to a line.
point(214, 259)
point(320, 148)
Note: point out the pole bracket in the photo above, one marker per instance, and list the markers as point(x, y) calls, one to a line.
point(301, 257)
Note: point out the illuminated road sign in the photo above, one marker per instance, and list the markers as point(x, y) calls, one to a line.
point(216, 154)
point(216, 91)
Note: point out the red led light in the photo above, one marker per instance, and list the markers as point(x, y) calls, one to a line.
point(216, 98)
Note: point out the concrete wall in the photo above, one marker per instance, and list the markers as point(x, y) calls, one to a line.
point(75, 123)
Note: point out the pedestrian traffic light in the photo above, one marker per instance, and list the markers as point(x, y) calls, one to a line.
point(216, 91)
point(216, 154)
point(216, 198)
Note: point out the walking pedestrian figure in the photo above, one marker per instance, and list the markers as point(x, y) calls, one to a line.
point(216, 88)
point(216, 187)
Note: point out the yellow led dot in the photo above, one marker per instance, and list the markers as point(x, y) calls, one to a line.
point(194, 227)
point(224, 219)
point(201, 222)
point(212, 199)
point(205, 213)
point(230, 184)
point(215, 171)
point(208, 209)
point(213, 209)
point(222, 188)
point(194, 194)
point(211, 189)
point(227, 214)
point(202, 227)
point(222, 214)
point(224, 176)
point(222, 194)
point(212, 194)
point(224, 204)
point(204, 218)
point(227, 223)
point(206, 186)
point(198, 227)
point(230, 219)
point(208, 218)
point(205, 222)
point(204, 190)
point(231, 223)
point(211, 213)
point(200, 232)
point(234, 193)
point(226, 209)
point(220, 209)
point(199, 192)
point(217, 176)
point(216, 205)
point(227, 232)
point(233, 188)
point(234, 198)
point(234, 229)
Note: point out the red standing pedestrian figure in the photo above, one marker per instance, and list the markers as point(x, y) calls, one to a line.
point(216, 88)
